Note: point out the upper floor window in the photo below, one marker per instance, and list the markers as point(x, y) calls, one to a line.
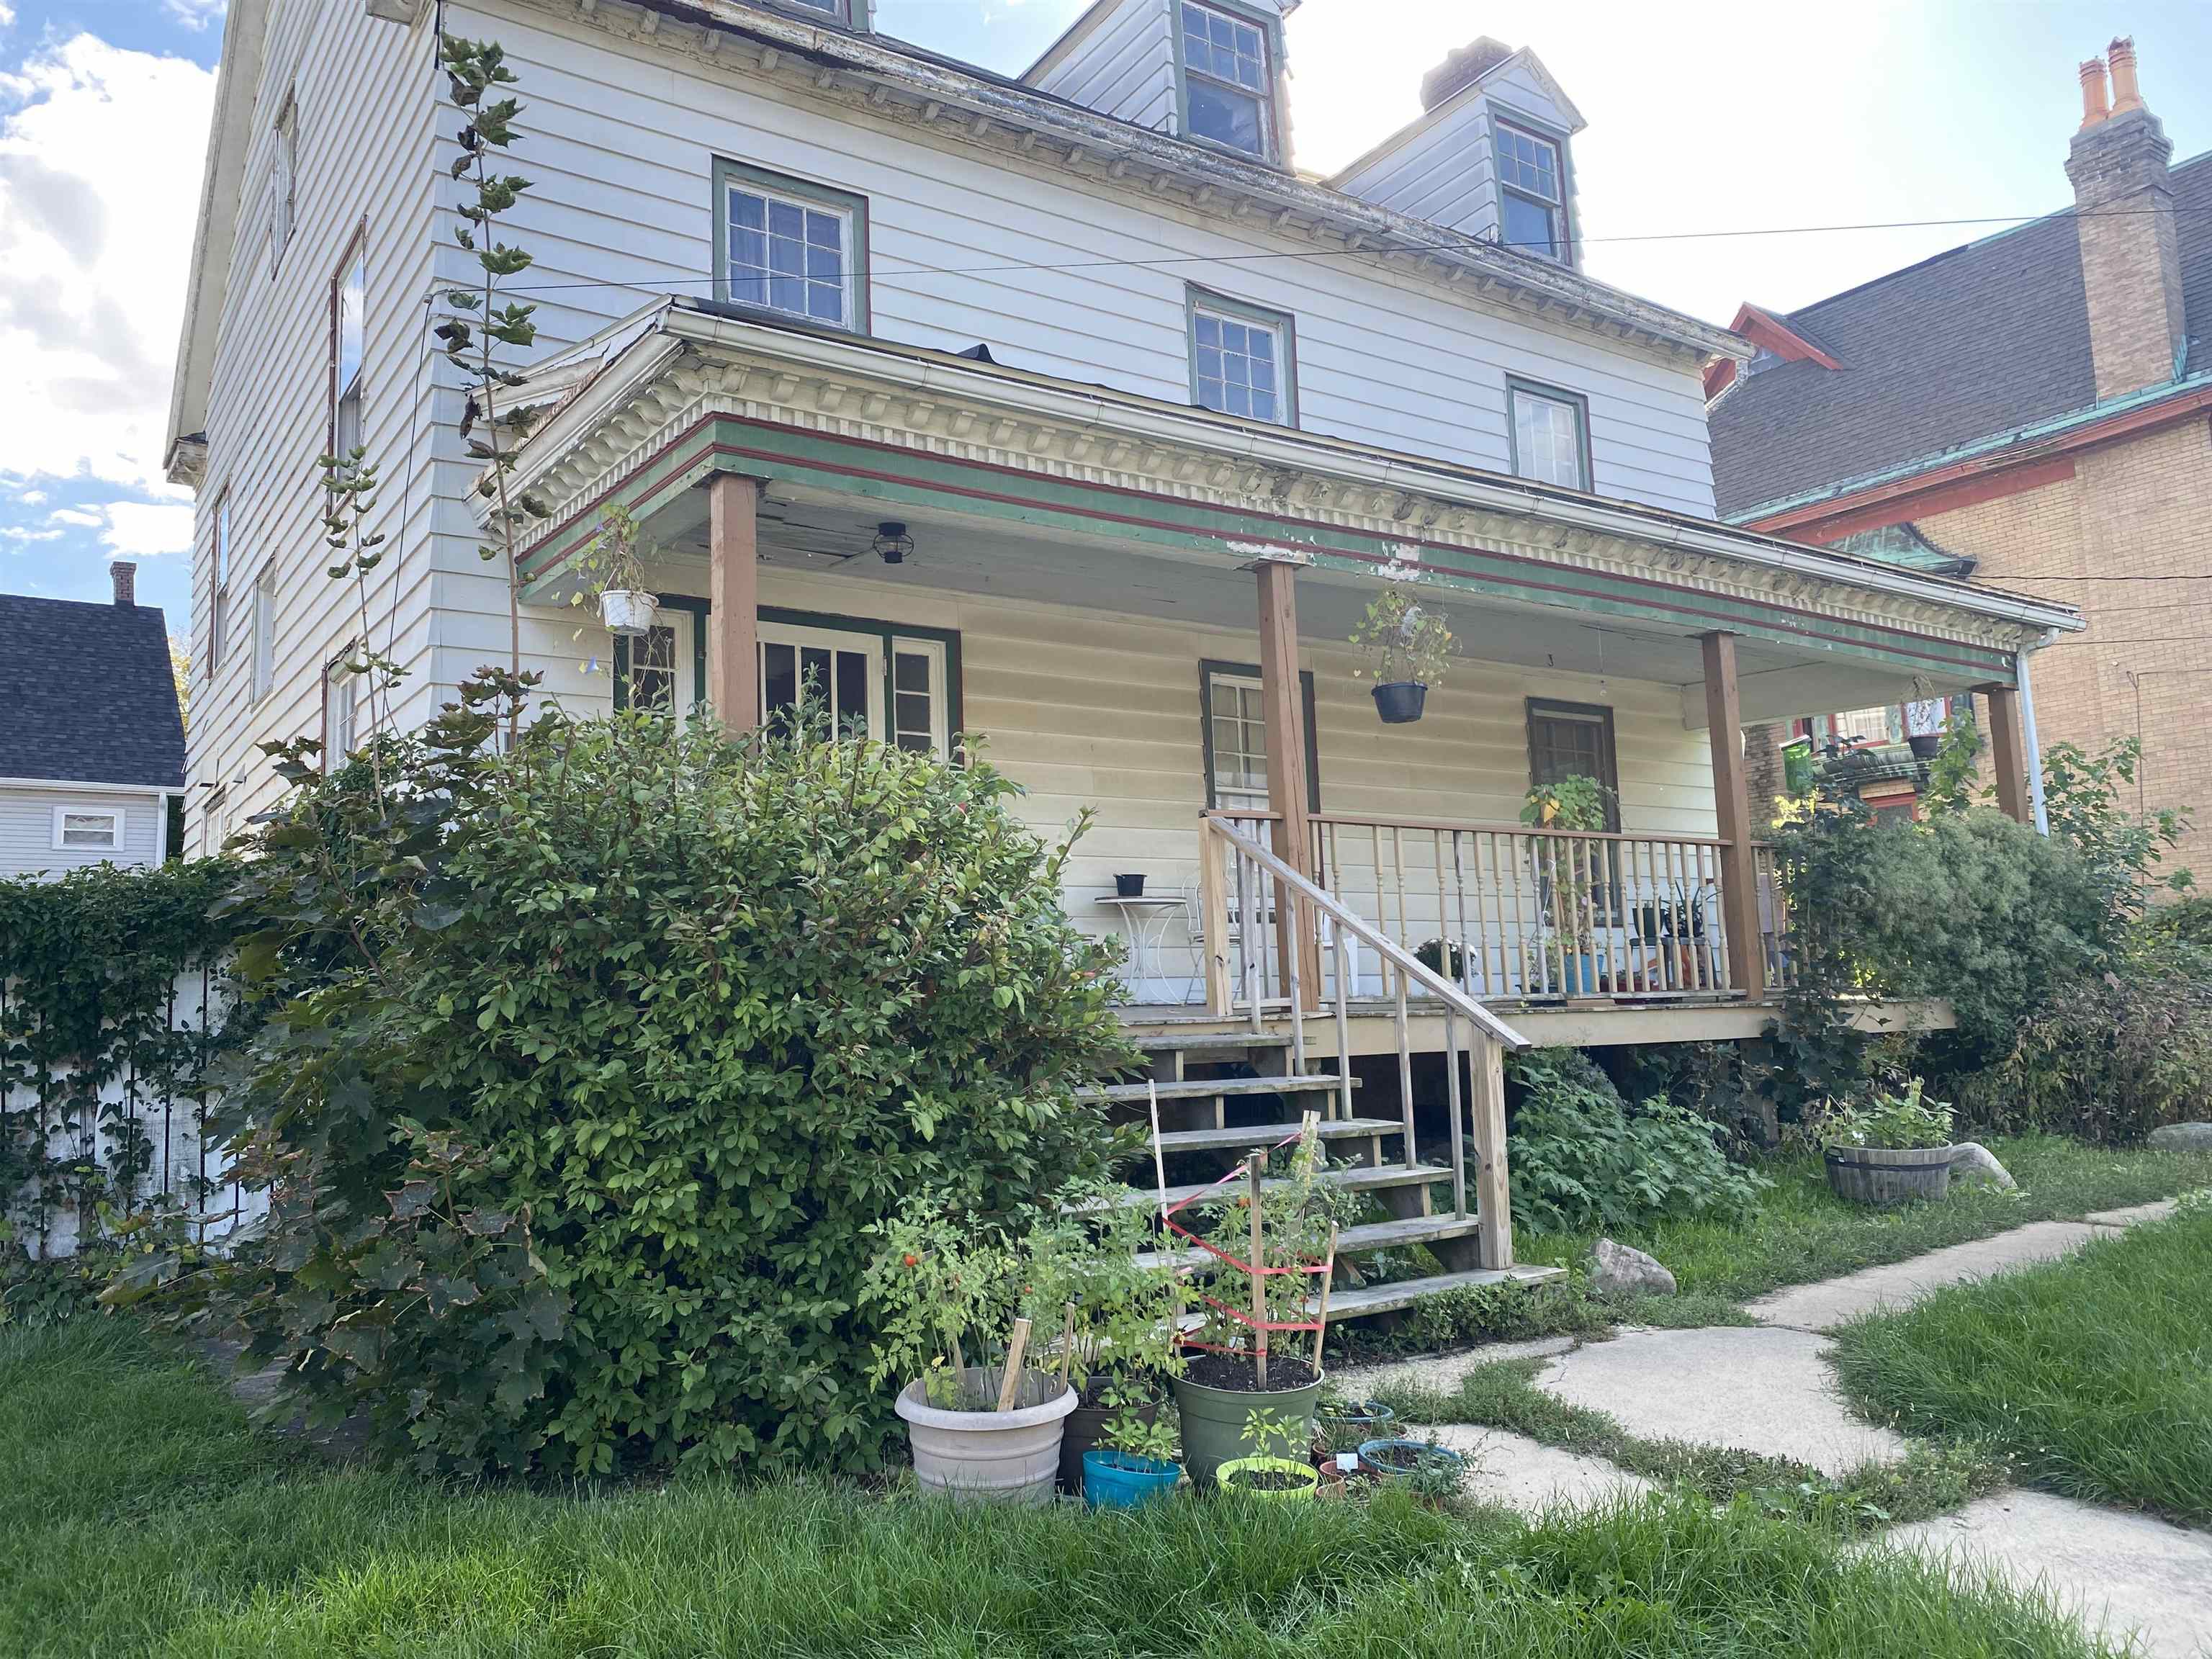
point(283, 169)
point(1550, 434)
point(341, 710)
point(348, 298)
point(264, 630)
point(1243, 359)
point(1532, 193)
point(219, 603)
point(789, 245)
point(1228, 82)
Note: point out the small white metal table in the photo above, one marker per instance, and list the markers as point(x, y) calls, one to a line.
point(1145, 924)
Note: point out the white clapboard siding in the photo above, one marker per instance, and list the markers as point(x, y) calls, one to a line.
point(1119, 59)
point(26, 830)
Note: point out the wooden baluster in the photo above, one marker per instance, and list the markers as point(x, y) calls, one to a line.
point(1213, 911)
point(1404, 1064)
point(1343, 1023)
point(1492, 1205)
point(1458, 1119)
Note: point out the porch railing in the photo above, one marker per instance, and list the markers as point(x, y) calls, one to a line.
point(1262, 918)
point(1512, 911)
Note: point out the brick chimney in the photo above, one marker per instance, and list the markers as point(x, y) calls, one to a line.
point(124, 575)
point(2124, 202)
point(1461, 69)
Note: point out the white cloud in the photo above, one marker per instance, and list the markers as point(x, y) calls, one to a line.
point(16, 532)
point(100, 151)
point(7, 15)
point(196, 14)
point(32, 497)
point(71, 516)
point(147, 529)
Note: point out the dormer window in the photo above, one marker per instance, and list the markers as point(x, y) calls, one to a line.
point(853, 14)
point(1228, 78)
point(1532, 193)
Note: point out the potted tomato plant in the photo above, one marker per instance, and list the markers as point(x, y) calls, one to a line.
point(1571, 872)
point(981, 1425)
point(1132, 1464)
point(1408, 648)
point(1273, 1470)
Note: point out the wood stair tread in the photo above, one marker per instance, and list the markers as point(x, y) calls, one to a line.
point(1202, 1042)
point(1208, 1088)
point(1267, 1135)
point(1387, 1298)
point(1354, 1177)
point(1351, 1240)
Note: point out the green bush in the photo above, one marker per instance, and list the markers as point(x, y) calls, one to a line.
point(1582, 1158)
point(590, 1065)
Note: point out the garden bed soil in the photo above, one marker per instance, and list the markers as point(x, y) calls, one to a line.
point(1399, 1460)
point(1236, 1373)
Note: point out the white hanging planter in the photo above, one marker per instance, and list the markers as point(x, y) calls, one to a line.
point(628, 611)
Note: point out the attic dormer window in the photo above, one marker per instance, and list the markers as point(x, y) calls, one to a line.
point(1532, 192)
point(1228, 82)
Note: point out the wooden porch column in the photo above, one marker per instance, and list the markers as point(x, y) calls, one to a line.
point(1288, 786)
point(733, 600)
point(2008, 753)
point(1747, 957)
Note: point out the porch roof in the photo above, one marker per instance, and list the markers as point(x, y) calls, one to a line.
point(682, 389)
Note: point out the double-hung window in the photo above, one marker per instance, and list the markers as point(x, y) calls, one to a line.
point(219, 606)
point(349, 294)
point(264, 630)
point(1549, 432)
point(1532, 193)
point(1231, 703)
point(283, 169)
point(342, 704)
point(790, 246)
point(1243, 359)
point(1228, 80)
point(79, 829)
point(876, 683)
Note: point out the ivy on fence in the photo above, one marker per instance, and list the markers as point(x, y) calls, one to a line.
point(109, 1024)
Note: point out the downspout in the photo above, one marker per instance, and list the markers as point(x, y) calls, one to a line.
point(2034, 759)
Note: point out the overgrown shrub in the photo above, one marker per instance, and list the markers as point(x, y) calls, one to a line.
point(597, 1060)
point(1581, 1158)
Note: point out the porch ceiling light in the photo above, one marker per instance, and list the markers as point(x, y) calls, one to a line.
point(892, 543)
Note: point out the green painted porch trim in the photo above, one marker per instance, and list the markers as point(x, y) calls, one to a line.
point(907, 478)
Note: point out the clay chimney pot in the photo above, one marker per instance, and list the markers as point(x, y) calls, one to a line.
point(2096, 100)
point(2126, 94)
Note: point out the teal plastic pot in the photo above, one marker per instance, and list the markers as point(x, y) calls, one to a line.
point(1121, 1480)
point(1213, 1420)
point(1352, 1422)
point(1371, 1452)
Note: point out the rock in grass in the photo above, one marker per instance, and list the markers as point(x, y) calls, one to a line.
point(1617, 1270)
point(1972, 1161)
point(2183, 1137)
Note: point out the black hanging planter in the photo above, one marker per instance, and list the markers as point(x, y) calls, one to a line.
point(1399, 702)
point(1925, 745)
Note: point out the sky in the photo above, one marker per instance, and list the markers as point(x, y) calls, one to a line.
point(1719, 137)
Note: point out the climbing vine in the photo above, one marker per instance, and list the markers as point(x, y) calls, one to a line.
point(107, 1035)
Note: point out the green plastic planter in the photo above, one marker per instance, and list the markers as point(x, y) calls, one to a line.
point(1307, 1478)
point(1213, 1420)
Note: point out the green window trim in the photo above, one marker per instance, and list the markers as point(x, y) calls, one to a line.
point(697, 608)
point(727, 172)
point(1271, 29)
point(1516, 384)
point(1197, 298)
point(1208, 668)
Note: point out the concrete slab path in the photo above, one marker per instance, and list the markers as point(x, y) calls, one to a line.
point(1756, 1389)
point(1528, 1476)
point(1836, 1302)
point(1442, 1372)
point(2112, 1570)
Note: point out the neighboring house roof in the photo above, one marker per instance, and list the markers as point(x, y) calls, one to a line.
point(1903, 545)
point(1982, 340)
point(88, 694)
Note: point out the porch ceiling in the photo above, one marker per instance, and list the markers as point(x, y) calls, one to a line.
point(823, 534)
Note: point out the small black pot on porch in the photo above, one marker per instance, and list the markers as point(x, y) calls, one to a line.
point(1925, 745)
point(1399, 702)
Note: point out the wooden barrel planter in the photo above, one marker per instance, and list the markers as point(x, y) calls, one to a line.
point(1881, 1175)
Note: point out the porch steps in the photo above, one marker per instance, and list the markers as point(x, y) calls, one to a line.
point(1353, 1241)
point(1405, 1292)
point(1254, 1136)
point(1202, 1045)
point(1208, 1088)
point(1352, 1178)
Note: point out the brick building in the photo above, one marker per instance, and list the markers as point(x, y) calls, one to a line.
point(2033, 407)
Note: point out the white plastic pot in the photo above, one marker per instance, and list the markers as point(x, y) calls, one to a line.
point(991, 1457)
point(628, 611)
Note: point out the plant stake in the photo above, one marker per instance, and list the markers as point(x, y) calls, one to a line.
point(1011, 1383)
point(1254, 1163)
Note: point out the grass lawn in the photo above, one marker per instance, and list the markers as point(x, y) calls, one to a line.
point(1804, 1232)
point(2095, 1373)
point(138, 1515)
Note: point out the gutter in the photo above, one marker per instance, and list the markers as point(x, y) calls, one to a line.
point(1085, 409)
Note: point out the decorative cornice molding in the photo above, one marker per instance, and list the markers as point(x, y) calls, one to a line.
point(650, 400)
point(865, 76)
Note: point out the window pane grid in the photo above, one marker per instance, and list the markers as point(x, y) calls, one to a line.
point(1225, 78)
point(1528, 162)
point(1548, 438)
point(1238, 366)
point(786, 256)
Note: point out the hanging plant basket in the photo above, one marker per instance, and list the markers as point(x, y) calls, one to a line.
point(1399, 701)
point(628, 611)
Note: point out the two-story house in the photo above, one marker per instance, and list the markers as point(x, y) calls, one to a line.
point(1064, 410)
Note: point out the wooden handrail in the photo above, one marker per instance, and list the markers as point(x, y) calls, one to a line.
point(1449, 826)
point(1406, 964)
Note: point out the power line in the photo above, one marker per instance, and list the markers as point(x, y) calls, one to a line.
point(913, 268)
